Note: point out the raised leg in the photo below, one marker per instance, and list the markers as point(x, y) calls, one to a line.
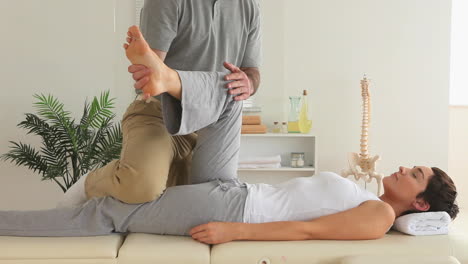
point(149, 155)
point(194, 101)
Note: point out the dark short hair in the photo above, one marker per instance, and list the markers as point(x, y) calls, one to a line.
point(441, 193)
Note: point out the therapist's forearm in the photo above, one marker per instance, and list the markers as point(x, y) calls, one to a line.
point(254, 77)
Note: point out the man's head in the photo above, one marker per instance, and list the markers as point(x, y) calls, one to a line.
point(422, 189)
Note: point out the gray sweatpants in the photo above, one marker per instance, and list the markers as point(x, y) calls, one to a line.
point(205, 107)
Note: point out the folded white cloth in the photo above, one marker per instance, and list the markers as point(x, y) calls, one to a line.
point(75, 195)
point(261, 160)
point(257, 166)
point(423, 224)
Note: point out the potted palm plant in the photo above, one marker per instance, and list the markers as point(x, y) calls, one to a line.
point(69, 149)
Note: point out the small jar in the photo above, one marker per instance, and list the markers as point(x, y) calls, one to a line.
point(284, 127)
point(297, 159)
point(276, 127)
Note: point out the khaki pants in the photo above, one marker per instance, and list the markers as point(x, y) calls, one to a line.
point(151, 159)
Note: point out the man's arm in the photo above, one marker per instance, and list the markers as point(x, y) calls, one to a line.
point(244, 81)
point(254, 77)
point(249, 80)
point(370, 220)
point(141, 73)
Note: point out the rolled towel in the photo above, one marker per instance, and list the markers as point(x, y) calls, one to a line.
point(261, 160)
point(251, 120)
point(258, 166)
point(423, 224)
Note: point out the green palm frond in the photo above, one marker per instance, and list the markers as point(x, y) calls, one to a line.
point(50, 108)
point(35, 125)
point(23, 154)
point(89, 154)
point(85, 116)
point(55, 157)
point(68, 150)
point(100, 110)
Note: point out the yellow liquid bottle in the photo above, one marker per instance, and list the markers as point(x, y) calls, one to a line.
point(304, 123)
point(293, 118)
point(293, 127)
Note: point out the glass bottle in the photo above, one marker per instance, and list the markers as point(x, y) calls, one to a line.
point(304, 123)
point(293, 118)
point(276, 127)
point(284, 128)
point(297, 159)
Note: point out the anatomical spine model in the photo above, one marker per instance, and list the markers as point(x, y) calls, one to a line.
point(362, 165)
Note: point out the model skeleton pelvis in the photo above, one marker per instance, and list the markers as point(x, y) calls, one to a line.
point(362, 165)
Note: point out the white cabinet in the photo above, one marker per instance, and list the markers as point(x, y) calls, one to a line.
point(270, 144)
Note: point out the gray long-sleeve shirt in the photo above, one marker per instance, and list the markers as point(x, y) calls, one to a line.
point(199, 35)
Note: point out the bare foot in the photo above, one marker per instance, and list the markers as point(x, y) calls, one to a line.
point(139, 52)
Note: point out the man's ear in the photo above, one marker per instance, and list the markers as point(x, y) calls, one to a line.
point(421, 205)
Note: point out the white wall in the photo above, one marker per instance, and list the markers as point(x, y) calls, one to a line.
point(458, 152)
point(459, 54)
point(403, 46)
point(69, 48)
point(271, 93)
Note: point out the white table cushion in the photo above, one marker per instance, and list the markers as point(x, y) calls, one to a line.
point(98, 247)
point(146, 248)
point(58, 261)
point(399, 260)
point(319, 251)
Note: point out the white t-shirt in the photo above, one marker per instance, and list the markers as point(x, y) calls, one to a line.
point(303, 198)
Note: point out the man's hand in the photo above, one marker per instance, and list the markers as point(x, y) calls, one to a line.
point(141, 75)
point(240, 83)
point(214, 232)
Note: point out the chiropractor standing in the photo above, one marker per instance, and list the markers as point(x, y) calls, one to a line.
point(203, 35)
point(188, 35)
